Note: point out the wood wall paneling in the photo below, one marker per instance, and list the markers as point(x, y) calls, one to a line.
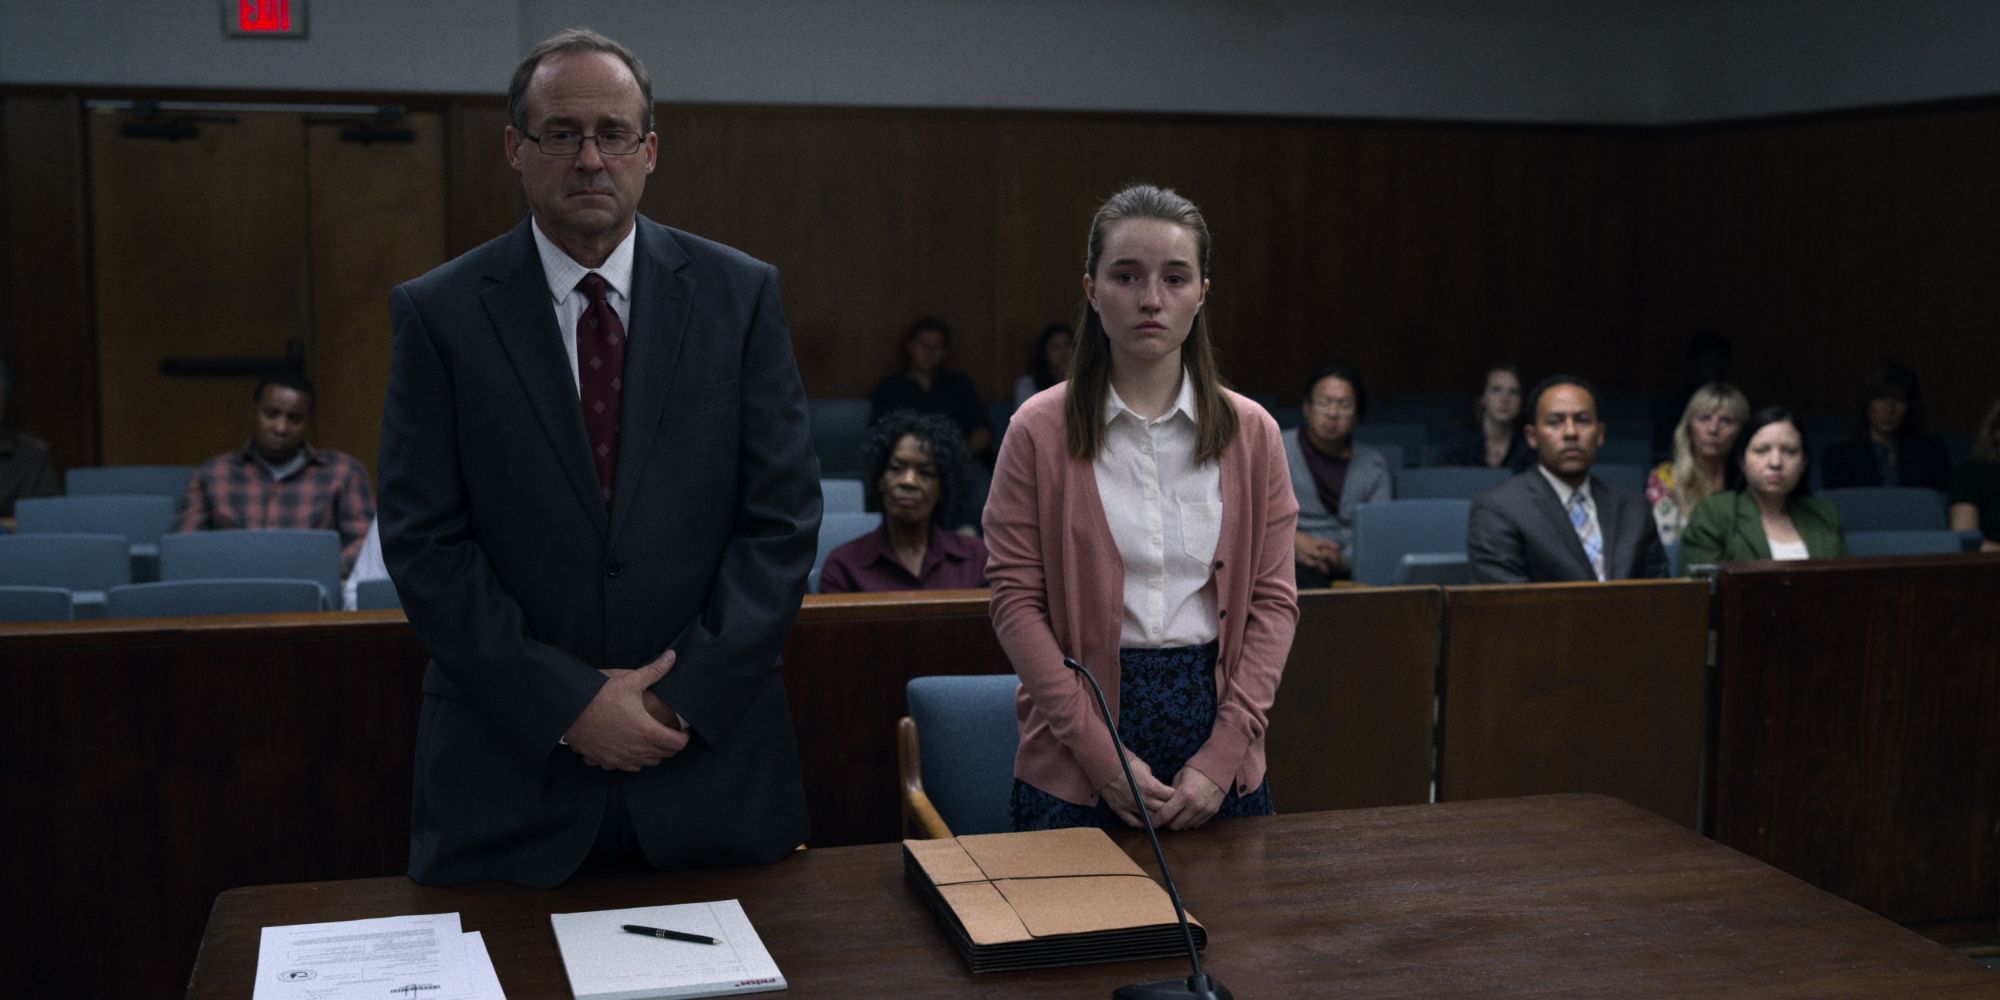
point(374, 222)
point(46, 335)
point(1824, 245)
point(482, 193)
point(1856, 744)
point(1418, 251)
point(201, 249)
point(1576, 688)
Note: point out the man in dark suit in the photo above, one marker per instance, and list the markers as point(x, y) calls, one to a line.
point(602, 546)
point(1554, 522)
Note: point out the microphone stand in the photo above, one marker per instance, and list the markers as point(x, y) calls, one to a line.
point(1200, 984)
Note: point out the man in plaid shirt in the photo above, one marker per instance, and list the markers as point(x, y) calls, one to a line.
point(277, 481)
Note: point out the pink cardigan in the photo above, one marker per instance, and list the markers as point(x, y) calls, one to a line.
point(1058, 587)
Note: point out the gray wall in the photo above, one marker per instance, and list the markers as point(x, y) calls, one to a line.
point(1585, 61)
point(1764, 57)
point(1543, 60)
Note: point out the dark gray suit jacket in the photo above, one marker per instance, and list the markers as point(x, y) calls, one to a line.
point(520, 585)
point(1519, 533)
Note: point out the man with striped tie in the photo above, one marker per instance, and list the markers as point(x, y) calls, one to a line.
point(1555, 522)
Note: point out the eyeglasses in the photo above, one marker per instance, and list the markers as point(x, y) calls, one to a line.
point(566, 142)
point(1331, 406)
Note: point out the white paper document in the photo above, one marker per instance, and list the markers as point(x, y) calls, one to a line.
point(607, 963)
point(424, 956)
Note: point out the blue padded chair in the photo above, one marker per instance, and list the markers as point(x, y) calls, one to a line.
point(84, 565)
point(1289, 417)
point(838, 428)
point(141, 518)
point(999, 414)
point(842, 496)
point(955, 751)
point(154, 480)
point(836, 530)
point(1386, 531)
point(249, 596)
point(1622, 475)
point(1393, 455)
point(1408, 437)
point(1439, 569)
point(378, 594)
point(35, 604)
point(1889, 508)
point(1448, 482)
point(1904, 542)
point(275, 553)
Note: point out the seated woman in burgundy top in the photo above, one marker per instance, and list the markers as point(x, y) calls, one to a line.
point(918, 470)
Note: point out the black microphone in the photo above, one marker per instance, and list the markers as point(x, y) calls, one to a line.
point(1200, 984)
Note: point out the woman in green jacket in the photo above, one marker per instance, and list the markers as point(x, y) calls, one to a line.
point(1767, 512)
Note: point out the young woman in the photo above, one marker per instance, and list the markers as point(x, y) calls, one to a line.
point(1767, 512)
point(1702, 445)
point(1494, 439)
point(1141, 522)
point(1890, 448)
point(1050, 363)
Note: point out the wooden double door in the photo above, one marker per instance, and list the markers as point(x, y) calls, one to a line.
point(225, 240)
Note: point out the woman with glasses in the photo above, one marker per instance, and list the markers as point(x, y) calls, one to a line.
point(1331, 475)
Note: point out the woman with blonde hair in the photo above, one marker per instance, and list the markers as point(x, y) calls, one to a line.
point(1702, 442)
point(1141, 523)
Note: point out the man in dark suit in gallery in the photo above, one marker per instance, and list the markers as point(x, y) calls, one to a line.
point(1554, 522)
point(602, 546)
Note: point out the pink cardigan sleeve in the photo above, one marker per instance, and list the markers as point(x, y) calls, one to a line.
point(1024, 521)
point(1269, 622)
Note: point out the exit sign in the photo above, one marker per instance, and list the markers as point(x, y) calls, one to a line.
point(264, 18)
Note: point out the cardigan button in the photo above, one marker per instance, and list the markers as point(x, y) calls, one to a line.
point(1218, 564)
point(1224, 613)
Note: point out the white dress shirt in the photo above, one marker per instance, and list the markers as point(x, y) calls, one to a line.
point(564, 272)
point(1165, 514)
point(1789, 550)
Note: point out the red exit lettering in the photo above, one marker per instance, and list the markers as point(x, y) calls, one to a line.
point(264, 15)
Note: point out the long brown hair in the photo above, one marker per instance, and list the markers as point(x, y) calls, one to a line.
point(1090, 367)
point(1983, 448)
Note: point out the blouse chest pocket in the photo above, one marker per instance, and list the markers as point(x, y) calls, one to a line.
point(1201, 529)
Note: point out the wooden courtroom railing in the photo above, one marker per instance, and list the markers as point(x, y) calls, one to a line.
point(1576, 688)
point(1858, 742)
point(1352, 724)
point(151, 765)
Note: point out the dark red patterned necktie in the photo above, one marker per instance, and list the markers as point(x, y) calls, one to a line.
point(600, 368)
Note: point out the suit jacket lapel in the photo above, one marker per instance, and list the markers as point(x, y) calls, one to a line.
point(661, 293)
point(1610, 507)
point(1558, 520)
point(517, 303)
point(1750, 524)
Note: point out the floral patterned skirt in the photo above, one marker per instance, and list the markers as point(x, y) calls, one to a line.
point(1166, 707)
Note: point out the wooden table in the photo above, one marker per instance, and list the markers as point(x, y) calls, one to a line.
point(1575, 895)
